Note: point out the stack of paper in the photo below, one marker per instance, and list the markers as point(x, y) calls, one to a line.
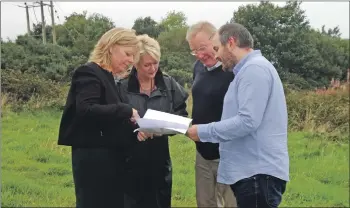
point(158, 122)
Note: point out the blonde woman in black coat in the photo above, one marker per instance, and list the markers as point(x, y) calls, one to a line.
point(95, 121)
point(148, 166)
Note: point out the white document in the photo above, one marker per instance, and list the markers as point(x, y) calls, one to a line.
point(158, 122)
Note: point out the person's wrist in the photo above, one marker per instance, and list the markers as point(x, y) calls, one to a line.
point(132, 112)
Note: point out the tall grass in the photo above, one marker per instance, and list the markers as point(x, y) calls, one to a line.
point(320, 111)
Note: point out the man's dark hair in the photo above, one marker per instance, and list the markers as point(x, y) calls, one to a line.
point(239, 32)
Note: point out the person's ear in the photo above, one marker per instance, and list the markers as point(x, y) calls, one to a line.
point(112, 48)
point(231, 42)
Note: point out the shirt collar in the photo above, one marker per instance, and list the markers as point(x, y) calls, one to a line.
point(214, 67)
point(244, 60)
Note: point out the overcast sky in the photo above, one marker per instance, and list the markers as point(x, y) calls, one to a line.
point(13, 18)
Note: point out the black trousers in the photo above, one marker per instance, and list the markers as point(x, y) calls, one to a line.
point(148, 187)
point(259, 191)
point(98, 177)
point(148, 191)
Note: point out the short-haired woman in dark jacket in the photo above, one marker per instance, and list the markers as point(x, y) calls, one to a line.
point(148, 166)
point(94, 120)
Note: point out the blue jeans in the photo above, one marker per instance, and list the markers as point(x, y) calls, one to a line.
point(259, 191)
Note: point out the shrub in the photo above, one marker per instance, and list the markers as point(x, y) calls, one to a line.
point(181, 76)
point(326, 112)
point(27, 90)
point(30, 55)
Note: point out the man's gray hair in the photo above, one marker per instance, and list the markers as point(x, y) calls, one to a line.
point(202, 26)
point(239, 32)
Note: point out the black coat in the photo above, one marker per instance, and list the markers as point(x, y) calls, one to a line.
point(148, 166)
point(94, 115)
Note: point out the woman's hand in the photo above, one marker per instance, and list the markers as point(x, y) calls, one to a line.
point(135, 116)
point(142, 136)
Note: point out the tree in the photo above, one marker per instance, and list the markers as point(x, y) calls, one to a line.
point(76, 38)
point(81, 33)
point(175, 49)
point(176, 58)
point(147, 26)
point(37, 32)
point(174, 20)
point(335, 32)
point(284, 36)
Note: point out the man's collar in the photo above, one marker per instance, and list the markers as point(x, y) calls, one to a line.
point(214, 67)
point(239, 65)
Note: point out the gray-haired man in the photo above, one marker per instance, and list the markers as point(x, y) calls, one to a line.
point(252, 132)
point(210, 84)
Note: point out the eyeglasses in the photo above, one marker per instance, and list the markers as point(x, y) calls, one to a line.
point(200, 49)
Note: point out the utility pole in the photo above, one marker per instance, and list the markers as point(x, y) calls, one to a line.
point(53, 23)
point(27, 15)
point(43, 33)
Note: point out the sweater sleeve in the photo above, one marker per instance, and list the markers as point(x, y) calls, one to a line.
point(88, 98)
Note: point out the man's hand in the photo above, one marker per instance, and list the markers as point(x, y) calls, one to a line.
point(135, 115)
point(192, 133)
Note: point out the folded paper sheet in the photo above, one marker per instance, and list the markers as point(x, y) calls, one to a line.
point(158, 122)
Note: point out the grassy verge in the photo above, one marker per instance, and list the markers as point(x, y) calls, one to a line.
point(37, 172)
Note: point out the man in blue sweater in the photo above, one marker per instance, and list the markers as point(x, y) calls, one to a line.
point(210, 84)
point(252, 133)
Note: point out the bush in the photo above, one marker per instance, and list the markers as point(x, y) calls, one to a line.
point(181, 76)
point(30, 55)
point(27, 90)
point(325, 112)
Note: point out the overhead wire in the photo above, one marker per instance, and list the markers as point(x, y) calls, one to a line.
point(75, 30)
point(35, 15)
point(62, 23)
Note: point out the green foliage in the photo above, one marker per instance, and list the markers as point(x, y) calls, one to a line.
point(176, 59)
point(81, 32)
point(147, 26)
point(76, 38)
point(35, 76)
point(284, 36)
point(326, 112)
point(334, 32)
point(37, 31)
point(29, 55)
point(11, 53)
point(304, 57)
point(23, 91)
point(181, 76)
point(174, 20)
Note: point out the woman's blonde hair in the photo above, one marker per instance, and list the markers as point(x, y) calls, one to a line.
point(149, 46)
point(116, 36)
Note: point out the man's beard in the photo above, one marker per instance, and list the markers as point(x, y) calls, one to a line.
point(229, 61)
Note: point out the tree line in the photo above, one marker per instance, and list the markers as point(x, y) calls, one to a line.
point(305, 57)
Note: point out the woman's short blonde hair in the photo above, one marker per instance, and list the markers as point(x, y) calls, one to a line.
point(149, 46)
point(116, 36)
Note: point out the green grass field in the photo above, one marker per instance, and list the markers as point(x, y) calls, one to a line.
point(37, 172)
